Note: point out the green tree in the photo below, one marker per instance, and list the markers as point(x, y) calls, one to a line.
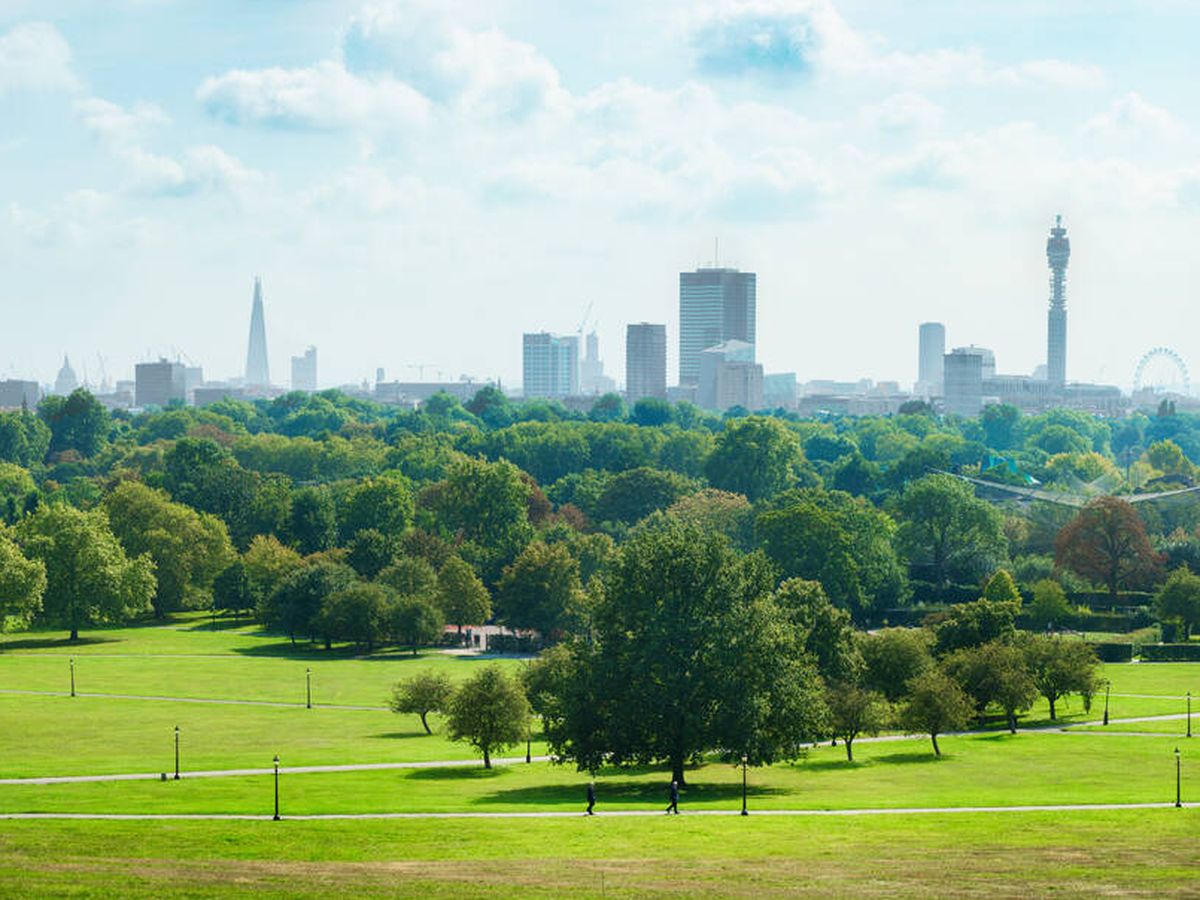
point(357, 613)
point(754, 456)
point(370, 552)
point(632, 495)
point(893, 657)
point(608, 408)
point(461, 595)
point(1179, 600)
point(1049, 603)
point(934, 705)
point(824, 631)
point(975, 623)
point(947, 530)
point(539, 590)
point(855, 710)
point(383, 504)
point(78, 422)
point(189, 549)
point(652, 412)
point(691, 654)
point(719, 511)
point(234, 590)
point(313, 522)
point(994, 672)
point(808, 542)
point(415, 621)
point(24, 439)
point(89, 578)
point(22, 584)
point(489, 711)
point(293, 607)
point(422, 694)
point(1060, 668)
point(410, 576)
point(1106, 544)
point(267, 563)
point(1001, 587)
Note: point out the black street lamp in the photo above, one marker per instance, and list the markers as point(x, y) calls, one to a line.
point(744, 811)
point(276, 787)
point(1178, 802)
point(1107, 686)
point(176, 752)
point(1189, 714)
point(308, 688)
point(72, 676)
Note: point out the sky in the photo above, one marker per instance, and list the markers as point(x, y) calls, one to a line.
point(418, 182)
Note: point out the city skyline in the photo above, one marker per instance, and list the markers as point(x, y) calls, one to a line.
point(838, 150)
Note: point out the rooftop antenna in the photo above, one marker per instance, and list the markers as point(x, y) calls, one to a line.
point(716, 253)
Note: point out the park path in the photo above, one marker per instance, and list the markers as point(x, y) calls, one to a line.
point(622, 813)
point(221, 702)
point(283, 770)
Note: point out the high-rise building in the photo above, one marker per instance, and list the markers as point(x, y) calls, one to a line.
point(550, 365)
point(304, 371)
point(65, 382)
point(963, 369)
point(15, 394)
point(258, 373)
point(592, 379)
point(729, 376)
point(645, 361)
point(1058, 254)
point(715, 305)
point(932, 347)
point(158, 383)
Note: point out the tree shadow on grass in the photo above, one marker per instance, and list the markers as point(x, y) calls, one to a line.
point(403, 735)
point(908, 758)
point(628, 791)
point(459, 773)
point(54, 643)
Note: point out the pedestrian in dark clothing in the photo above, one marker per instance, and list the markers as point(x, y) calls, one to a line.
point(591, 795)
point(674, 805)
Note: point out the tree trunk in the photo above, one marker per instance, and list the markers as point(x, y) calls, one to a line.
point(487, 759)
point(414, 649)
point(74, 634)
point(936, 751)
point(1012, 722)
point(1052, 716)
point(425, 724)
point(677, 769)
point(849, 751)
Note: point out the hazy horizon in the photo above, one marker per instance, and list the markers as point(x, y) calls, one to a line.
point(418, 183)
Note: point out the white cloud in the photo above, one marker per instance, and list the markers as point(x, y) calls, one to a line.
point(114, 124)
point(789, 38)
point(35, 57)
point(1131, 117)
point(320, 97)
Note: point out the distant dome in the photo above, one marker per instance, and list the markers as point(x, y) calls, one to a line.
point(66, 382)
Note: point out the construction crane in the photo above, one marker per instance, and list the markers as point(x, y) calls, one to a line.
point(420, 367)
point(587, 314)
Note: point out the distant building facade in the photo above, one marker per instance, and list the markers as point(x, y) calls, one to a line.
point(645, 361)
point(931, 349)
point(15, 394)
point(158, 383)
point(592, 379)
point(550, 365)
point(208, 394)
point(258, 372)
point(715, 305)
point(65, 382)
point(963, 371)
point(729, 377)
point(780, 391)
point(304, 371)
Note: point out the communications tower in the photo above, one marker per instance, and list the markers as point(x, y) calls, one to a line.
point(1058, 252)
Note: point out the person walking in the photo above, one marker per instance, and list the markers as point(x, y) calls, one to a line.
point(591, 797)
point(674, 805)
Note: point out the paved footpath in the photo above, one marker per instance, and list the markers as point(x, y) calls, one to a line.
point(624, 813)
point(283, 770)
point(275, 703)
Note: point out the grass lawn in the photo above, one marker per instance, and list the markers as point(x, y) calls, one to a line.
point(1076, 854)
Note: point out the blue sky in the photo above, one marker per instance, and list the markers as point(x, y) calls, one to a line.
point(419, 182)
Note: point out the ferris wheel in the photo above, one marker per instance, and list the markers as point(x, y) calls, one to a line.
point(1149, 374)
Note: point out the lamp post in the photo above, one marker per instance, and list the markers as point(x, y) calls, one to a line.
point(72, 676)
point(176, 752)
point(276, 787)
point(308, 688)
point(1107, 686)
point(1189, 714)
point(744, 810)
point(1178, 801)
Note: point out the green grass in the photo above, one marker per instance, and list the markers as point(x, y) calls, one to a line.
point(1077, 854)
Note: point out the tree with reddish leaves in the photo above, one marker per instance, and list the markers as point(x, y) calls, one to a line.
point(1106, 544)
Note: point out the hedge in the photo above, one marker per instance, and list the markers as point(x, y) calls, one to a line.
point(1171, 652)
point(1113, 652)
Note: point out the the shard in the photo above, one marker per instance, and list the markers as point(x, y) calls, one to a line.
point(257, 372)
